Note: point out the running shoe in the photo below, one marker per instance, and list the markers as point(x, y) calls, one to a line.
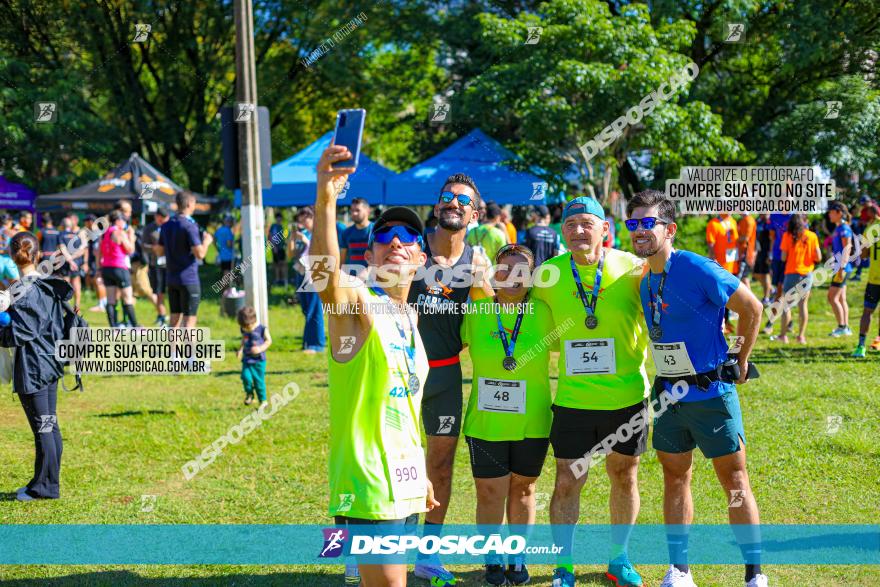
point(622, 573)
point(765, 302)
point(859, 353)
point(675, 578)
point(248, 399)
point(562, 578)
point(837, 332)
point(758, 581)
point(432, 570)
point(352, 576)
point(876, 344)
point(517, 574)
point(495, 575)
point(24, 496)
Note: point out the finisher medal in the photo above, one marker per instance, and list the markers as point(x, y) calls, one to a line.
point(656, 333)
point(414, 383)
point(509, 362)
point(591, 321)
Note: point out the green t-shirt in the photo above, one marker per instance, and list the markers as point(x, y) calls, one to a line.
point(374, 426)
point(488, 237)
point(603, 368)
point(500, 417)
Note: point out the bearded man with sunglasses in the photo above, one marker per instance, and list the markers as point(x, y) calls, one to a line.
point(377, 367)
point(452, 275)
point(684, 297)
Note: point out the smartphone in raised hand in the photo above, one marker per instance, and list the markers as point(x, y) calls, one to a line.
point(350, 134)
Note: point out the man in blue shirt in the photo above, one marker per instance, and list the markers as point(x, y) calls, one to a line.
point(684, 297)
point(353, 240)
point(543, 241)
point(778, 226)
point(183, 245)
point(224, 239)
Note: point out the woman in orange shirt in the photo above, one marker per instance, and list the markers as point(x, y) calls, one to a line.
point(800, 253)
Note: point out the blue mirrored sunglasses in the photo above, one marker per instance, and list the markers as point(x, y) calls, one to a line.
point(648, 222)
point(463, 199)
point(386, 234)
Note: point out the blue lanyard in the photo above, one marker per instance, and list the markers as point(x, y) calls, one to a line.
point(589, 306)
point(509, 348)
point(658, 299)
point(409, 349)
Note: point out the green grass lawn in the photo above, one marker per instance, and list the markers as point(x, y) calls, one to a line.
point(129, 436)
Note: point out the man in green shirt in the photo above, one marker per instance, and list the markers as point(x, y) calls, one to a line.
point(377, 366)
point(602, 381)
point(487, 236)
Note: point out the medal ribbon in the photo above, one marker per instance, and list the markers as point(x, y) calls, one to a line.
point(658, 299)
point(409, 349)
point(589, 306)
point(502, 334)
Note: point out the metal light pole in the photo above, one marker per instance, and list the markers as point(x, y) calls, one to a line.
point(245, 114)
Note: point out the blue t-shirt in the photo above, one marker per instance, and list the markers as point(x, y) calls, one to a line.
point(178, 236)
point(694, 297)
point(225, 243)
point(841, 232)
point(355, 240)
point(779, 223)
point(249, 340)
point(277, 242)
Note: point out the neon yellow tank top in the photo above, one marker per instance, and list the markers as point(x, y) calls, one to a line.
point(376, 467)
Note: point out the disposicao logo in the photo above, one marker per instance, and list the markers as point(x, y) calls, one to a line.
point(334, 542)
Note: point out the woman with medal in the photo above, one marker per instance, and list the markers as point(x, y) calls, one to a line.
point(376, 462)
point(507, 421)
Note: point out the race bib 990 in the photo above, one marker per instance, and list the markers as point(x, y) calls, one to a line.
point(408, 478)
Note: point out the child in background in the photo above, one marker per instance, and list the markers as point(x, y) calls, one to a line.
point(255, 340)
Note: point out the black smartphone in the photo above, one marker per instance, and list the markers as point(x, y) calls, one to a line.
point(350, 134)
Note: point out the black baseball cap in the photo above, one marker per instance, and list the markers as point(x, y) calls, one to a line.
point(542, 210)
point(397, 214)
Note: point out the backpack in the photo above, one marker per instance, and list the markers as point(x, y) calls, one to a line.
point(72, 319)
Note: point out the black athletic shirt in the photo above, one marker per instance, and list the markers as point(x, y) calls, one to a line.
point(50, 241)
point(439, 305)
point(763, 230)
point(543, 241)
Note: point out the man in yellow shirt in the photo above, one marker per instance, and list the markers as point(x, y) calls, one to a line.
point(597, 314)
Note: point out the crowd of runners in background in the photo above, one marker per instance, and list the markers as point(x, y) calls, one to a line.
point(771, 253)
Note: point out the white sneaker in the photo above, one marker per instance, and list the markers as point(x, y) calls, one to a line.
point(758, 581)
point(675, 578)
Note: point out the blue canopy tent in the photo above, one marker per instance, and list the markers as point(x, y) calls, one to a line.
point(15, 196)
point(477, 155)
point(294, 180)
